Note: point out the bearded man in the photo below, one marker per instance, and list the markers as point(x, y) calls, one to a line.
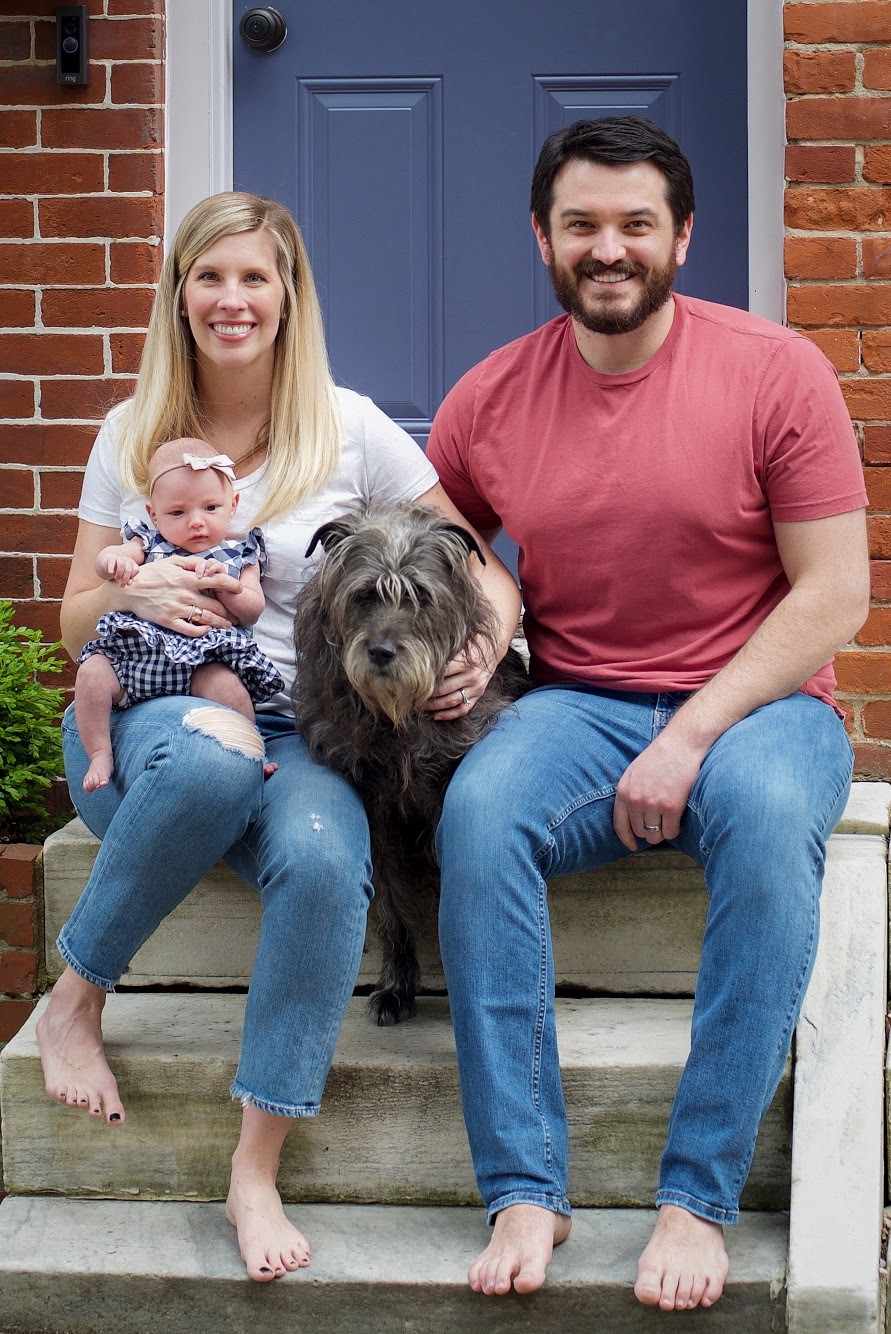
point(685, 489)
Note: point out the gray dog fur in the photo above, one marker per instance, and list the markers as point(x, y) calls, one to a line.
point(390, 604)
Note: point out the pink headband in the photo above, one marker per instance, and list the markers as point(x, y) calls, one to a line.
point(170, 459)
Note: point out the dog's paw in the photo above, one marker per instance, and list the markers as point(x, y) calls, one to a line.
point(388, 1007)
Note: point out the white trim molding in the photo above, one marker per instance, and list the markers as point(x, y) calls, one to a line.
point(199, 129)
point(199, 105)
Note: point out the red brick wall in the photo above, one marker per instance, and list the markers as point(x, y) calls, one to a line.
point(81, 214)
point(838, 263)
point(18, 935)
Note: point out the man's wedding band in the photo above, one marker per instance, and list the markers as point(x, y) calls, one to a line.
point(653, 828)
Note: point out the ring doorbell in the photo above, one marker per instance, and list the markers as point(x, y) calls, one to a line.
point(72, 45)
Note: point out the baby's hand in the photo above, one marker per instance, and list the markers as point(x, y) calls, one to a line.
point(122, 569)
point(206, 565)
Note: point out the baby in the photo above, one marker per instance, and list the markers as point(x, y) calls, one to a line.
point(191, 503)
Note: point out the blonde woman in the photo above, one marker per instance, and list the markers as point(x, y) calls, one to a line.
point(234, 355)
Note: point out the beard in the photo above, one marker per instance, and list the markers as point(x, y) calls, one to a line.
point(657, 288)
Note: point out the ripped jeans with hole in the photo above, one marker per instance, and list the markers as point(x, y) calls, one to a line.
point(180, 799)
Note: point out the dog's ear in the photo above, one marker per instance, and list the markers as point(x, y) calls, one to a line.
point(473, 547)
point(330, 534)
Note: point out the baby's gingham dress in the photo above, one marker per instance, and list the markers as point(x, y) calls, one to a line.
point(150, 661)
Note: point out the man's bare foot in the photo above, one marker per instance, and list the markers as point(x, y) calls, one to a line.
point(100, 771)
point(685, 1263)
point(269, 1244)
point(523, 1240)
point(69, 1034)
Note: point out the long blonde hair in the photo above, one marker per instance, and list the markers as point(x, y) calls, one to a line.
point(303, 436)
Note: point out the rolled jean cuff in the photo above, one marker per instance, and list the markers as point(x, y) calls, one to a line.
point(710, 1212)
point(557, 1204)
point(248, 1099)
point(103, 983)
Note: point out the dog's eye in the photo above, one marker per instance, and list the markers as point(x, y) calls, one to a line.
point(366, 597)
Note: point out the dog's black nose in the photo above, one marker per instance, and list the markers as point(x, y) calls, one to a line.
point(381, 652)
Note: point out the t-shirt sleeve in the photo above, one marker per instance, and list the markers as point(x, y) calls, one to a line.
point(102, 493)
point(449, 450)
point(396, 468)
point(810, 461)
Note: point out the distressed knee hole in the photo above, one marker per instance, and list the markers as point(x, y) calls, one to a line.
point(232, 730)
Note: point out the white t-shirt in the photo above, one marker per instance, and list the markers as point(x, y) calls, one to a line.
point(379, 465)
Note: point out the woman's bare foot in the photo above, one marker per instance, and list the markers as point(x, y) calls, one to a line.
point(685, 1263)
point(269, 1244)
point(523, 1241)
point(69, 1034)
point(100, 771)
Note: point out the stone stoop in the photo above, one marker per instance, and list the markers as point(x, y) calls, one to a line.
point(391, 1131)
point(391, 1127)
point(103, 1267)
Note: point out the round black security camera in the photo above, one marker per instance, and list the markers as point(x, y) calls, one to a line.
point(263, 29)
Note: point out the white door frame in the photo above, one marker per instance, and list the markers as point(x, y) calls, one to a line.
point(199, 129)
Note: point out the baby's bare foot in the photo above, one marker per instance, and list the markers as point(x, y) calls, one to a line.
point(268, 1243)
point(100, 771)
point(523, 1240)
point(69, 1034)
point(269, 768)
point(685, 1263)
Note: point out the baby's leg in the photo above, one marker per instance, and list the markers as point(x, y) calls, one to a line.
point(216, 681)
point(96, 691)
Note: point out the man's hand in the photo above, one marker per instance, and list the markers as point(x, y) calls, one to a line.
point(463, 682)
point(652, 794)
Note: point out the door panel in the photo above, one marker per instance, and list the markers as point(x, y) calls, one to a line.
point(403, 136)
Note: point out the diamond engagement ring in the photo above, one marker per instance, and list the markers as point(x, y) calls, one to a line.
point(194, 615)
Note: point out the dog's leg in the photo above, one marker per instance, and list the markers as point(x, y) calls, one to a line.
point(394, 997)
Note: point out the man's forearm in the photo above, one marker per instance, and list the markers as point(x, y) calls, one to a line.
point(800, 635)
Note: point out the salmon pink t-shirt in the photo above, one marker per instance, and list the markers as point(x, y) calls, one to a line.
point(643, 504)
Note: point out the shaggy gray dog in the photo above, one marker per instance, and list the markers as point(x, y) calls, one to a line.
point(390, 604)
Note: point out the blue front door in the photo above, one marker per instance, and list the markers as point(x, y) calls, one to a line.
point(403, 134)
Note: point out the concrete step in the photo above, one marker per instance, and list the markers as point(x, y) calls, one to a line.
point(629, 928)
point(391, 1128)
point(633, 928)
point(121, 1268)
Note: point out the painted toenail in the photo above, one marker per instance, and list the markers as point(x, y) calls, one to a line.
point(115, 1116)
point(265, 1270)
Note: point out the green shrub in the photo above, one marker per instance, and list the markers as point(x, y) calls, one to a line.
point(30, 740)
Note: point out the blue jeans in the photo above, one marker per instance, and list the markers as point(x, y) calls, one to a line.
point(178, 802)
point(534, 800)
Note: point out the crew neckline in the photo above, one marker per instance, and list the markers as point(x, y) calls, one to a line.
point(659, 357)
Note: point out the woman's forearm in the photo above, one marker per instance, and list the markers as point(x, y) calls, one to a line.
point(80, 614)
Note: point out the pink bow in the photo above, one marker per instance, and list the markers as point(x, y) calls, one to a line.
point(220, 462)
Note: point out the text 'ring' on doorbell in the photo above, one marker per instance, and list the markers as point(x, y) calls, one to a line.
point(72, 45)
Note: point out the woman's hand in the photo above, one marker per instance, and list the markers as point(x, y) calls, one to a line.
point(463, 682)
point(170, 594)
